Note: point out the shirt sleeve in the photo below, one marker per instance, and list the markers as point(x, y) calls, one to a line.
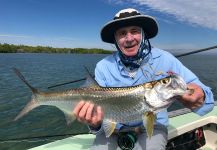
point(190, 77)
point(99, 76)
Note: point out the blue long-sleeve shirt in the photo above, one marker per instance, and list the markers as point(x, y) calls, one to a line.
point(110, 72)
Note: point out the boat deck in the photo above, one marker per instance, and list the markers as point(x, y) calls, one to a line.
point(178, 125)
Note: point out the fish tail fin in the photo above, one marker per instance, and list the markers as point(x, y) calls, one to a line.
point(30, 106)
point(148, 121)
point(18, 73)
point(33, 103)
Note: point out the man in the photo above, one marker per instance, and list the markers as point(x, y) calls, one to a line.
point(136, 62)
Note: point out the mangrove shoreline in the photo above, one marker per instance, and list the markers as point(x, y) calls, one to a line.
point(11, 48)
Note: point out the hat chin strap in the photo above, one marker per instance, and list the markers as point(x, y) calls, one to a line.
point(134, 62)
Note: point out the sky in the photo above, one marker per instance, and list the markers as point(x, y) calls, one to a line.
point(183, 24)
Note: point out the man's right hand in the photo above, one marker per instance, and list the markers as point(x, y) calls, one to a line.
point(85, 113)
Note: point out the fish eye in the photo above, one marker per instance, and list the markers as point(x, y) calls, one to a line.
point(164, 81)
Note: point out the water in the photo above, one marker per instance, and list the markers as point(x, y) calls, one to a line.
point(43, 70)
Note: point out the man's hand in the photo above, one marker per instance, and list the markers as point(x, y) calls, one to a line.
point(85, 113)
point(195, 99)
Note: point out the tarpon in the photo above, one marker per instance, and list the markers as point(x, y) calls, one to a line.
point(119, 104)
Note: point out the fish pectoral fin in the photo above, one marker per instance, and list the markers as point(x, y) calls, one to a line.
point(109, 127)
point(148, 121)
point(69, 118)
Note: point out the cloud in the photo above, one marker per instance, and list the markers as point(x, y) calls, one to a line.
point(194, 12)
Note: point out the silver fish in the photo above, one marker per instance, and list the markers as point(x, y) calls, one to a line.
point(119, 104)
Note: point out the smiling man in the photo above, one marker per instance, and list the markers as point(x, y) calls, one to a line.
point(128, 40)
point(136, 62)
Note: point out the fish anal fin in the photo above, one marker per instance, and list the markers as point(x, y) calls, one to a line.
point(109, 127)
point(30, 106)
point(148, 121)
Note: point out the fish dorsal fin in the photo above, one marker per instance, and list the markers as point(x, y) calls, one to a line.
point(148, 121)
point(90, 81)
point(109, 127)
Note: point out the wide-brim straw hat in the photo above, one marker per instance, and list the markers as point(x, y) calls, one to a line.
point(129, 17)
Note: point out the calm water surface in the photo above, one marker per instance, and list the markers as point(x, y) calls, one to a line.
point(43, 70)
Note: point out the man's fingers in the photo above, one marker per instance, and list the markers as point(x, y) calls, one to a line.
point(78, 108)
point(83, 111)
point(89, 112)
point(86, 113)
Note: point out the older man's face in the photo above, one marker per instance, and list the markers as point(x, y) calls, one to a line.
point(128, 39)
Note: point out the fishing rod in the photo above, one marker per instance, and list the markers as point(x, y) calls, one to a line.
point(73, 80)
point(196, 51)
point(56, 85)
point(177, 56)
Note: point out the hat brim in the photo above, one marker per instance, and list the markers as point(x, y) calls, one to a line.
point(148, 23)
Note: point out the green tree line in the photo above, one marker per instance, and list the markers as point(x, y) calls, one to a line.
point(11, 48)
